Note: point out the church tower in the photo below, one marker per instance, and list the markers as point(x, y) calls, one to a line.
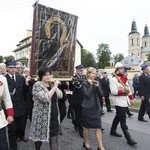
point(134, 47)
point(146, 37)
point(145, 43)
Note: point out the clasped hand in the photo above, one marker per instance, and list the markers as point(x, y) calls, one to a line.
point(126, 90)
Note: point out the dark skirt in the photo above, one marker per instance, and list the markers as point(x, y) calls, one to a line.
point(91, 117)
point(54, 123)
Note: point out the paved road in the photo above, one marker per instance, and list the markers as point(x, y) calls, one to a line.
point(70, 139)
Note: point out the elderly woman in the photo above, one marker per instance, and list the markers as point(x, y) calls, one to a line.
point(91, 110)
point(45, 120)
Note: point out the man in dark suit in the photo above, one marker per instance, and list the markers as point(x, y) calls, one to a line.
point(144, 91)
point(106, 90)
point(17, 87)
point(77, 98)
point(98, 78)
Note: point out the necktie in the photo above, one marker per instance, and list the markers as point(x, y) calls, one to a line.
point(13, 78)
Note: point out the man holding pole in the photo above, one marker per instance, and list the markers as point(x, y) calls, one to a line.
point(122, 95)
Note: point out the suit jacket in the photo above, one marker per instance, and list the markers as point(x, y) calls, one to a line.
point(144, 86)
point(100, 83)
point(77, 96)
point(105, 87)
point(17, 91)
point(92, 95)
point(5, 97)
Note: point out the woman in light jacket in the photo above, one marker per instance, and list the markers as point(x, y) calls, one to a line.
point(45, 115)
point(91, 110)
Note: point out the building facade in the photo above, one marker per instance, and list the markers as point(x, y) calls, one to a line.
point(23, 50)
point(138, 48)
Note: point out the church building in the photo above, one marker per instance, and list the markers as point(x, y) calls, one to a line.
point(138, 47)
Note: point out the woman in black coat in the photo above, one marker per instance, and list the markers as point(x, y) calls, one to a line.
point(91, 110)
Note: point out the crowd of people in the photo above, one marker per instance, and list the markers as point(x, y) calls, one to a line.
point(43, 102)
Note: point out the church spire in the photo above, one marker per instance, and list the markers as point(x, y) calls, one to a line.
point(133, 27)
point(146, 30)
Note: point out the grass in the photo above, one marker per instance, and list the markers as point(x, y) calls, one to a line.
point(136, 105)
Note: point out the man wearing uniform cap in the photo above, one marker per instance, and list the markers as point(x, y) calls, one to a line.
point(144, 92)
point(77, 99)
point(18, 87)
point(120, 89)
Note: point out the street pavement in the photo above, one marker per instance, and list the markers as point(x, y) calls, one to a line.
point(70, 140)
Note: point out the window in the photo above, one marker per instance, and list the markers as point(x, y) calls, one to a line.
point(145, 44)
point(132, 42)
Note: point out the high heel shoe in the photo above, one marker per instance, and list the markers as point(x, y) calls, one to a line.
point(87, 148)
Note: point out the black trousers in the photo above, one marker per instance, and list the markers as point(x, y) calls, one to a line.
point(16, 129)
point(120, 118)
point(107, 102)
point(136, 90)
point(145, 106)
point(78, 117)
point(3, 139)
point(128, 111)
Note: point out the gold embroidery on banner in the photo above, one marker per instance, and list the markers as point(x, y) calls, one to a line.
point(64, 27)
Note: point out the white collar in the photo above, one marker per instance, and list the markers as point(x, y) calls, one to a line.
point(12, 75)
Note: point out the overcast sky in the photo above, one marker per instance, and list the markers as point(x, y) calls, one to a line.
point(100, 21)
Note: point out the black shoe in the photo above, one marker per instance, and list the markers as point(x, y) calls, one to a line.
point(130, 141)
point(143, 120)
point(130, 115)
point(102, 129)
point(110, 110)
point(114, 133)
point(87, 148)
point(102, 113)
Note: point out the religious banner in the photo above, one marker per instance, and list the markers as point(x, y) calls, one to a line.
point(53, 41)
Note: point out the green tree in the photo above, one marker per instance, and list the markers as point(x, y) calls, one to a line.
point(1, 59)
point(10, 57)
point(118, 57)
point(148, 56)
point(103, 55)
point(87, 58)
